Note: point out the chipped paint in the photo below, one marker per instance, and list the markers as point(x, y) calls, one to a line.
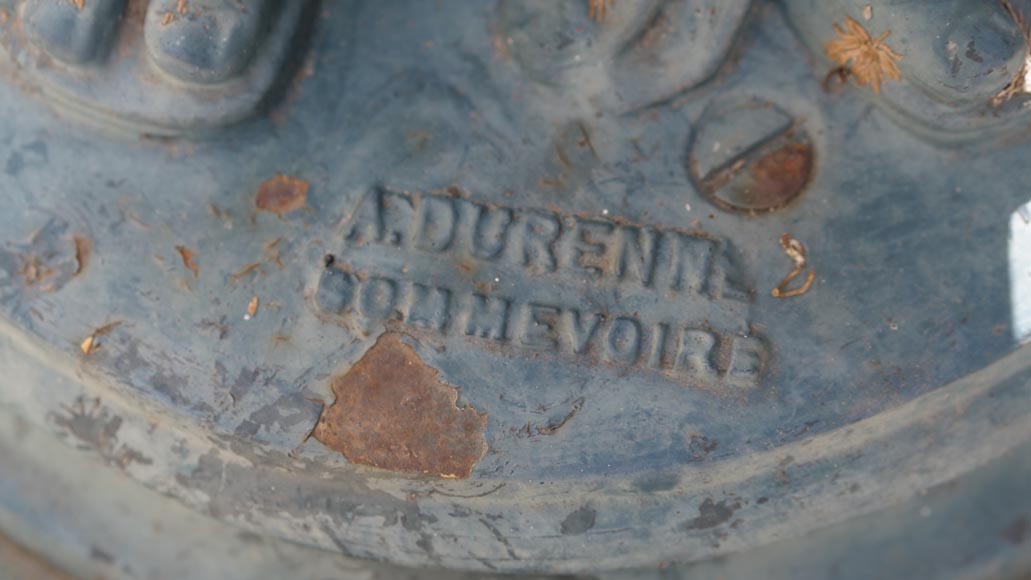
point(392, 411)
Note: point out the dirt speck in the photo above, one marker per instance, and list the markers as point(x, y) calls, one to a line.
point(579, 521)
point(282, 194)
point(712, 514)
point(393, 412)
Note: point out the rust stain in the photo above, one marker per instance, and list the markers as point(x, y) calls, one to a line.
point(79, 4)
point(781, 175)
point(596, 9)
point(393, 412)
point(83, 249)
point(248, 269)
point(188, 261)
point(282, 194)
point(34, 271)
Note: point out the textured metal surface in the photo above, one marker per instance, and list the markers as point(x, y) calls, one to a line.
point(164, 67)
point(570, 231)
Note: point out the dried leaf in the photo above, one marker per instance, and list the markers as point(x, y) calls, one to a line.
point(188, 261)
point(90, 344)
point(252, 308)
point(868, 59)
point(796, 251)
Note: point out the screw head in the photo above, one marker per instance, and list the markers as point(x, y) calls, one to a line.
point(752, 157)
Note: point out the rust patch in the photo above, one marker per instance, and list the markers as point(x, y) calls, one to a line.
point(282, 194)
point(187, 255)
point(34, 271)
point(596, 9)
point(780, 175)
point(393, 412)
point(83, 249)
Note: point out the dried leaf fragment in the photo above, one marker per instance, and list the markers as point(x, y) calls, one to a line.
point(796, 251)
point(252, 308)
point(868, 59)
point(188, 260)
point(282, 194)
point(90, 344)
point(1020, 83)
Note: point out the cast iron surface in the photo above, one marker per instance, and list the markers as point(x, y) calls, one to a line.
point(563, 235)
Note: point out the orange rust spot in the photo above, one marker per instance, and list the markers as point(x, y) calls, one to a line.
point(282, 194)
point(781, 175)
point(79, 4)
point(393, 412)
point(188, 261)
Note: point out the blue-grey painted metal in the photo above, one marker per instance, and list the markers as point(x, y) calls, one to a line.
point(578, 218)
